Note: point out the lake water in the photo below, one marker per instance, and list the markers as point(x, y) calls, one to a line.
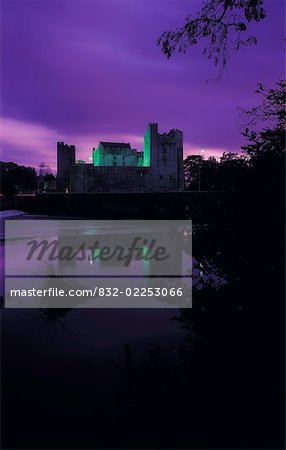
point(64, 370)
point(78, 335)
point(54, 362)
point(110, 378)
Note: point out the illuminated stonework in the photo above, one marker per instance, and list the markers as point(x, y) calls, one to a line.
point(116, 154)
point(147, 148)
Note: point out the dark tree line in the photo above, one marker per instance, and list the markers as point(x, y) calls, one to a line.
point(261, 165)
point(20, 179)
point(16, 178)
point(226, 389)
point(213, 175)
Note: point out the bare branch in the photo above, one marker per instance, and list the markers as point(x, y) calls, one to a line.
point(271, 109)
point(222, 23)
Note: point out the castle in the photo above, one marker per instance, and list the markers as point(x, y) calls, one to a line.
point(116, 167)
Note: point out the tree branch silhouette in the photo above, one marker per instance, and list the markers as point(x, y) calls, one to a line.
point(222, 23)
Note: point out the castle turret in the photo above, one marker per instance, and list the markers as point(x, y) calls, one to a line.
point(164, 153)
point(65, 159)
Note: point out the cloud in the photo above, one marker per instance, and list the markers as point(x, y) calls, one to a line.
point(26, 142)
point(204, 151)
point(29, 143)
point(95, 72)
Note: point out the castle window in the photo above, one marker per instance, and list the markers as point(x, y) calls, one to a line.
point(161, 177)
point(171, 177)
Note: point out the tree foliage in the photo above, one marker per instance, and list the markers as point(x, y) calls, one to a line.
point(222, 24)
point(266, 146)
point(271, 113)
point(212, 175)
point(271, 110)
point(261, 165)
point(16, 178)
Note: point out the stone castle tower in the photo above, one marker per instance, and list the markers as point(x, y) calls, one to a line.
point(164, 154)
point(65, 161)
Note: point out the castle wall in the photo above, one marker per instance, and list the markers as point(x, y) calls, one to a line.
point(109, 156)
point(89, 178)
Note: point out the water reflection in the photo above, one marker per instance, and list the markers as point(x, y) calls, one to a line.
point(206, 273)
point(98, 362)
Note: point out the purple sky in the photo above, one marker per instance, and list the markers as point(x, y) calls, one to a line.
point(83, 71)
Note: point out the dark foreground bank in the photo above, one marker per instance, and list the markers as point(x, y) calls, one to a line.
point(209, 377)
point(198, 205)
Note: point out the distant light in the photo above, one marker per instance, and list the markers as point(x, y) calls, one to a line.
point(90, 158)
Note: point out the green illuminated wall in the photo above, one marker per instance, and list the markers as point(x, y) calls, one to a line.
point(146, 262)
point(143, 158)
point(96, 156)
point(147, 149)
